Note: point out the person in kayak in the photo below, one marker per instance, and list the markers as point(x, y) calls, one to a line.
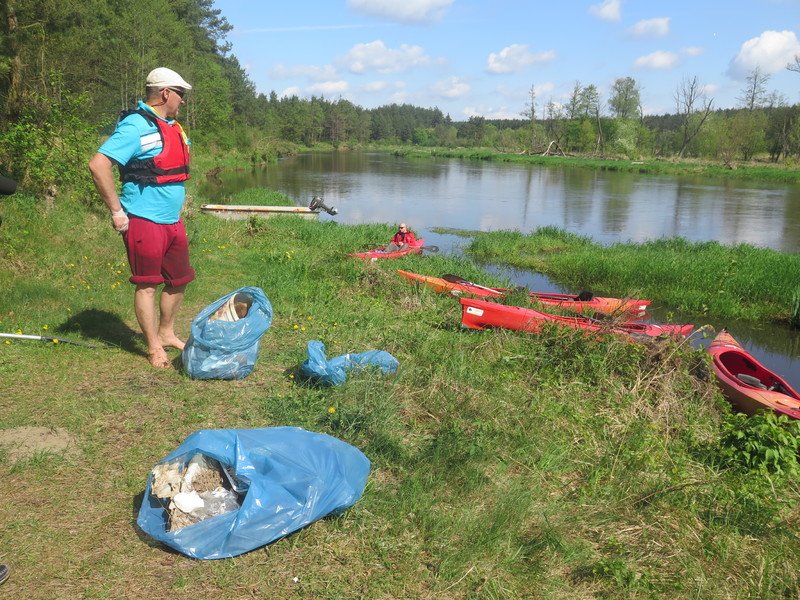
point(402, 239)
point(151, 150)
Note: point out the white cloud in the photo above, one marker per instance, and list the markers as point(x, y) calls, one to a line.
point(290, 91)
point(314, 73)
point(608, 10)
point(380, 86)
point(515, 57)
point(398, 98)
point(656, 60)
point(328, 88)
point(693, 50)
point(770, 52)
point(375, 56)
point(375, 86)
point(405, 11)
point(452, 87)
point(710, 89)
point(651, 28)
point(490, 112)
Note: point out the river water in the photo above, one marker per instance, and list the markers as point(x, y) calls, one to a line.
point(606, 206)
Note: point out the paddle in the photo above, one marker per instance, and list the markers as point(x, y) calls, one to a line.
point(20, 336)
point(425, 248)
point(456, 279)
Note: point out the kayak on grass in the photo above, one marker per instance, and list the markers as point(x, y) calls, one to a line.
point(382, 253)
point(481, 314)
point(747, 384)
point(584, 303)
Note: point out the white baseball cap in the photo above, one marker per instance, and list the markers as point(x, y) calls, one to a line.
point(163, 77)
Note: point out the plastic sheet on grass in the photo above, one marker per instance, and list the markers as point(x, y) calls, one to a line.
point(319, 370)
point(284, 478)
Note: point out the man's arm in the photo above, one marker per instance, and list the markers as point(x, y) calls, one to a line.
point(102, 169)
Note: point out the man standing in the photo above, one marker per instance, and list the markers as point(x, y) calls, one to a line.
point(152, 153)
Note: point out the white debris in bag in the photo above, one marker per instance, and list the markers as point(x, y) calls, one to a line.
point(196, 490)
point(188, 501)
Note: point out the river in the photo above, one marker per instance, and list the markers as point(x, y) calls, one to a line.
point(606, 206)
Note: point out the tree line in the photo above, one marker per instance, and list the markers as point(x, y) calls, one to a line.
point(68, 68)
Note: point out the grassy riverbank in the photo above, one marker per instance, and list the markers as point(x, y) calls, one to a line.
point(754, 171)
point(503, 465)
point(704, 278)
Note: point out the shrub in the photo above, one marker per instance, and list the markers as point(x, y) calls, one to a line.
point(765, 442)
point(45, 146)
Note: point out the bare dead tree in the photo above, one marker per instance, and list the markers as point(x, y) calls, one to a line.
point(693, 108)
point(795, 64)
point(754, 93)
point(530, 114)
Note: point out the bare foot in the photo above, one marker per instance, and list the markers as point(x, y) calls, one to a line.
point(171, 341)
point(159, 359)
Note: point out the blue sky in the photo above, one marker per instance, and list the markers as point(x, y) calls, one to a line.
point(481, 57)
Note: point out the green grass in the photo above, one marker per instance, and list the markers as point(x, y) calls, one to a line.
point(763, 171)
point(504, 465)
point(700, 278)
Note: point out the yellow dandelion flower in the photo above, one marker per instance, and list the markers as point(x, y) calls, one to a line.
point(295, 326)
point(55, 341)
point(8, 341)
point(331, 409)
point(45, 327)
point(19, 331)
point(302, 328)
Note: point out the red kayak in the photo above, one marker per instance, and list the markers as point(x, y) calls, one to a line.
point(585, 303)
point(747, 384)
point(416, 248)
point(480, 314)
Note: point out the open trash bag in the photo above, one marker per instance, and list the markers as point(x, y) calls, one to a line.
point(322, 371)
point(284, 477)
point(225, 336)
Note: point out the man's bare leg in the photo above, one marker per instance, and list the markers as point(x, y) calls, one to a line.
point(171, 298)
point(145, 308)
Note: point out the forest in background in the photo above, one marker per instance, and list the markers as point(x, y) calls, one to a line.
point(68, 68)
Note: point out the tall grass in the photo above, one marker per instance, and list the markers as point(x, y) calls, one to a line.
point(504, 465)
point(794, 317)
point(755, 172)
point(703, 278)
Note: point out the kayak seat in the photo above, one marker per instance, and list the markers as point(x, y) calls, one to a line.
point(777, 387)
point(750, 380)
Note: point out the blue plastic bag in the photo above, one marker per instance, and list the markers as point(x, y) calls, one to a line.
point(319, 370)
point(223, 349)
point(294, 477)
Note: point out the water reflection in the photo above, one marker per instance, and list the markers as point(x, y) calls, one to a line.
point(606, 206)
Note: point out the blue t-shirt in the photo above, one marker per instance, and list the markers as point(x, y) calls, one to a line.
point(134, 137)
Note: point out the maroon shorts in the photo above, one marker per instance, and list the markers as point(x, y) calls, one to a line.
point(158, 253)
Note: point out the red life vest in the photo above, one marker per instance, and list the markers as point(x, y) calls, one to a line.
point(171, 165)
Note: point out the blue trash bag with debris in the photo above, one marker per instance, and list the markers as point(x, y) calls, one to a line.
point(329, 372)
point(286, 478)
point(225, 336)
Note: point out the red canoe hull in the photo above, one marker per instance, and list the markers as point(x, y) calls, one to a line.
point(480, 314)
point(381, 253)
point(606, 306)
point(730, 360)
